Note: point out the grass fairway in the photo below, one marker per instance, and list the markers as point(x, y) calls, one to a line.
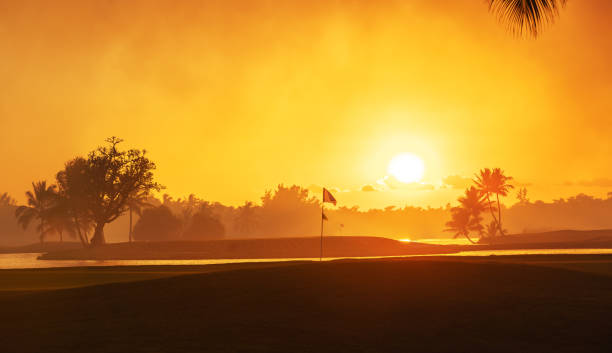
point(386, 305)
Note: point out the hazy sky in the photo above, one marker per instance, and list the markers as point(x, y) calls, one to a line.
point(233, 97)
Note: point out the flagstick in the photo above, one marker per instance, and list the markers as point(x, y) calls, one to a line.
point(321, 246)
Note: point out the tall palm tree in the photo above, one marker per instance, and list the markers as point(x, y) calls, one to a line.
point(501, 188)
point(484, 182)
point(473, 200)
point(529, 16)
point(39, 200)
point(494, 182)
point(462, 223)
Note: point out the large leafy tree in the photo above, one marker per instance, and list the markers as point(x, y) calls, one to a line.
point(102, 186)
point(526, 16)
point(39, 201)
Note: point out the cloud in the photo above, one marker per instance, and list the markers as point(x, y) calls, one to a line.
point(368, 188)
point(319, 189)
point(457, 182)
point(520, 184)
point(598, 182)
point(392, 183)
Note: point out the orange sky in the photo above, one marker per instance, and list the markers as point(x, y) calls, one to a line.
point(233, 97)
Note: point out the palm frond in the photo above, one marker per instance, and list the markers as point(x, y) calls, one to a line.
point(526, 16)
point(25, 215)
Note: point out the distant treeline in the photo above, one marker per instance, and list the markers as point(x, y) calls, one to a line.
point(293, 211)
point(108, 193)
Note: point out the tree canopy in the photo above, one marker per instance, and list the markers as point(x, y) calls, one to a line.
point(101, 187)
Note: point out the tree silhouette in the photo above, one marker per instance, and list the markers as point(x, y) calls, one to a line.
point(73, 183)
point(204, 225)
point(494, 182)
point(466, 218)
point(106, 182)
point(529, 16)
point(473, 201)
point(246, 219)
point(136, 205)
point(521, 196)
point(157, 223)
point(501, 187)
point(59, 220)
point(39, 201)
point(490, 231)
point(462, 223)
point(484, 182)
point(7, 200)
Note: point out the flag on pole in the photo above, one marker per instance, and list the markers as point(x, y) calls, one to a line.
point(328, 197)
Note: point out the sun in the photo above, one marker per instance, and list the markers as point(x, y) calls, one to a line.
point(407, 168)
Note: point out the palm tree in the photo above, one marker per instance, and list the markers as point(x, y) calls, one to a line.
point(483, 182)
point(60, 221)
point(490, 231)
point(473, 200)
point(40, 200)
point(501, 187)
point(494, 182)
point(6, 200)
point(463, 222)
point(529, 16)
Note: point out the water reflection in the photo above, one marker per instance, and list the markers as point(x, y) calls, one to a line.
point(30, 260)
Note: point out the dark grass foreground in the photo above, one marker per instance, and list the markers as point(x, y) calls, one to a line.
point(344, 306)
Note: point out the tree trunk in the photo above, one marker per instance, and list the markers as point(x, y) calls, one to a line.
point(470, 239)
point(78, 227)
point(98, 237)
point(499, 223)
point(130, 235)
point(42, 232)
point(491, 209)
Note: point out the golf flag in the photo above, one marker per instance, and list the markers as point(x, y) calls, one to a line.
point(328, 197)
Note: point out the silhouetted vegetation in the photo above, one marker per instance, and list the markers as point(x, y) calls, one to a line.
point(40, 200)
point(526, 16)
point(7, 200)
point(158, 223)
point(493, 182)
point(92, 192)
point(467, 217)
point(204, 225)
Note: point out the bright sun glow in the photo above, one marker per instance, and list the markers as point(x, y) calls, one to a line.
point(407, 168)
